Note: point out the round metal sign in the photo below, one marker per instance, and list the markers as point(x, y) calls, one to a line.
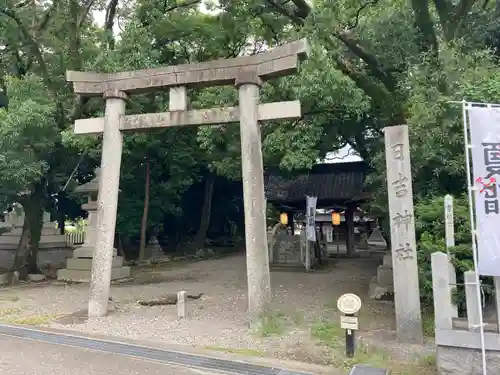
point(349, 303)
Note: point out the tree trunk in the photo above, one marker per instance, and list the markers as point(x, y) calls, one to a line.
point(199, 240)
point(34, 215)
point(61, 222)
point(144, 222)
point(385, 227)
point(21, 252)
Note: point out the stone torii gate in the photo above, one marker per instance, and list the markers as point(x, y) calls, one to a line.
point(247, 74)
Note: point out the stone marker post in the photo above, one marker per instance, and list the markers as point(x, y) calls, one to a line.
point(112, 142)
point(449, 221)
point(441, 292)
point(450, 242)
point(181, 304)
point(404, 255)
point(259, 281)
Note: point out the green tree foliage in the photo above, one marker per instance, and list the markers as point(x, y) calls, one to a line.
point(27, 136)
point(373, 63)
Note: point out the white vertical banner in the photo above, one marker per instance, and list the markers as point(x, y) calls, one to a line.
point(484, 123)
point(311, 218)
point(329, 233)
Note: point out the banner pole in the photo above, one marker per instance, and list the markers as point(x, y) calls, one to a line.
point(470, 190)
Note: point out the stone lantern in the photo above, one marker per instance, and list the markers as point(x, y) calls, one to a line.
point(79, 267)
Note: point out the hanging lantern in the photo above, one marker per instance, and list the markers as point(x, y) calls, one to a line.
point(335, 218)
point(284, 218)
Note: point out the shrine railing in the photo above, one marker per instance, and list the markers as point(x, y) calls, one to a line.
point(74, 238)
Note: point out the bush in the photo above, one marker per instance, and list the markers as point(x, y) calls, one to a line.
point(430, 232)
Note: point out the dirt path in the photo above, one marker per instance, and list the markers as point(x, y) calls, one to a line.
point(303, 305)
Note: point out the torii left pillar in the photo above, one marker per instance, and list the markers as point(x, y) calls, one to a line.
point(111, 159)
point(257, 254)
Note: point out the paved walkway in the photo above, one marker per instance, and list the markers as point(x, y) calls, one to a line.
point(27, 357)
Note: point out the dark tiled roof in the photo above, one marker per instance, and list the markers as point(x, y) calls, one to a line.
point(329, 182)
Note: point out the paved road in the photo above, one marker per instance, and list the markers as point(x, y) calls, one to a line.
point(27, 357)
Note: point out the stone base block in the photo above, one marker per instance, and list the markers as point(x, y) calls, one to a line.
point(377, 244)
point(385, 275)
point(387, 259)
point(12, 238)
point(83, 276)
point(86, 263)
point(154, 251)
point(158, 254)
point(47, 259)
point(36, 277)
point(88, 252)
point(377, 291)
point(164, 259)
point(4, 278)
point(464, 361)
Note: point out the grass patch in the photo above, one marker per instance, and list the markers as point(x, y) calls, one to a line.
point(241, 351)
point(34, 320)
point(7, 312)
point(333, 337)
point(298, 318)
point(428, 361)
point(9, 299)
point(271, 324)
point(428, 322)
point(275, 323)
point(330, 334)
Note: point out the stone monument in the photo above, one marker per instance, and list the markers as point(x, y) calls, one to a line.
point(284, 248)
point(382, 285)
point(78, 268)
point(247, 74)
point(52, 248)
point(376, 239)
point(154, 252)
point(403, 243)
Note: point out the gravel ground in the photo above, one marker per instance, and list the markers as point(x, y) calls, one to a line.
point(218, 319)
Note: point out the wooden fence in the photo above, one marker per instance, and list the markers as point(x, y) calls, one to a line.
point(458, 339)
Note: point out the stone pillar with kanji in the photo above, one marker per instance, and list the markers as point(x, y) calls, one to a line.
point(403, 243)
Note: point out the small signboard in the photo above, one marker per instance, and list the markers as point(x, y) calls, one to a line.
point(349, 322)
point(349, 304)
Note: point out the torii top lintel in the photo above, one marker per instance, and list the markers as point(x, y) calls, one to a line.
point(276, 62)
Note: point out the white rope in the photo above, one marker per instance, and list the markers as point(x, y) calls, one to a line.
point(473, 104)
point(476, 326)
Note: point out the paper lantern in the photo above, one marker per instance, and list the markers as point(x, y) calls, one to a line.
point(284, 218)
point(335, 218)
